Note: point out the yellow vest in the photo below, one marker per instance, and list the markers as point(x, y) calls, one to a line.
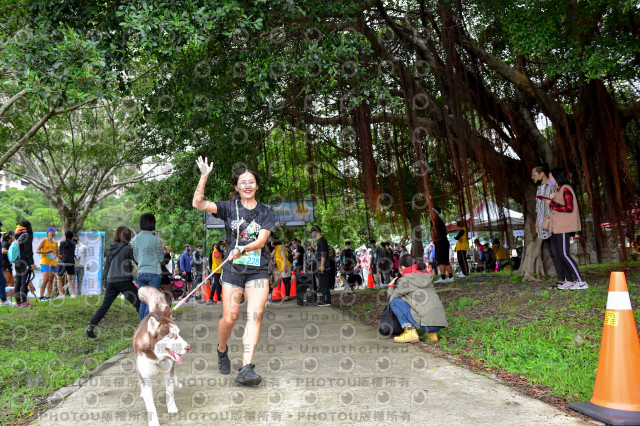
point(501, 253)
point(44, 260)
point(216, 261)
point(463, 242)
point(281, 263)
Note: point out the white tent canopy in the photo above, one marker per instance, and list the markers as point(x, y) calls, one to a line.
point(488, 215)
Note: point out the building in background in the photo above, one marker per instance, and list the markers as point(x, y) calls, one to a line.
point(8, 181)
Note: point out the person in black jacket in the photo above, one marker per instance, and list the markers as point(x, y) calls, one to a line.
point(67, 265)
point(118, 275)
point(24, 236)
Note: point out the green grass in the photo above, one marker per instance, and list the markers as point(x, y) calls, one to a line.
point(42, 349)
point(532, 334)
point(549, 337)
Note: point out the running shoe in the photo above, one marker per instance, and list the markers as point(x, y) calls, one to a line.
point(224, 364)
point(579, 285)
point(248, 377)
point(566, 286)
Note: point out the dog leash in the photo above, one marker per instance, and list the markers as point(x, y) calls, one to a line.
point(184, 299)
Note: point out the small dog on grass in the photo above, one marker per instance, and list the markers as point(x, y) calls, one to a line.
point(158, 347)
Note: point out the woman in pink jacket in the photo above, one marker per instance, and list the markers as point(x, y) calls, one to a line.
point(364, 262)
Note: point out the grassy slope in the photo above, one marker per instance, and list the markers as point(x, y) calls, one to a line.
point(550, 337)
point(42, 349)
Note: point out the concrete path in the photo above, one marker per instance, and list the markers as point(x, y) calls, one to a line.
point(320, 367)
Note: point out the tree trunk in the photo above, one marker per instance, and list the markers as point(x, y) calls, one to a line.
point(535, 260)
point(415, 217)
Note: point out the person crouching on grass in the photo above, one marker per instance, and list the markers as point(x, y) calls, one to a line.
point(248, 224)
point(414, 301)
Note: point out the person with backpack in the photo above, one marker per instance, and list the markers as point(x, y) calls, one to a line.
point(23, 261)
point(348, 262)
point(148, 251)
point(7, 269)
point(117, 276)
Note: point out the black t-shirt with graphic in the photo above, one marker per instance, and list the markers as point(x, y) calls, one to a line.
point(245, 224)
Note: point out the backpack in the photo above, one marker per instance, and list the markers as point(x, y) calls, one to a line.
point(14, 252)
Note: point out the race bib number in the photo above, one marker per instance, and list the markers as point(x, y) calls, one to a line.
point(251, 258)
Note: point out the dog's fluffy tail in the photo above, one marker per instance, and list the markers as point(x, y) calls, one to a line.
point(152, 297)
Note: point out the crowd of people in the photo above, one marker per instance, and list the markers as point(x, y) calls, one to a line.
point(59, 261)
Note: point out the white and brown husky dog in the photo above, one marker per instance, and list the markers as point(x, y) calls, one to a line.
point(158, 347)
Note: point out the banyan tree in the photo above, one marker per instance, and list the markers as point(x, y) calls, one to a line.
point(418, 102)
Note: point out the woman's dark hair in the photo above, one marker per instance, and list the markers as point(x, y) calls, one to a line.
point(26, 224)
point(236, 175)
point(122, 235)
point(68, 235)
point(406, 261)
point(147, 222)
point(275, 240)
point(560, 176)
point(7, 236)
point(420, 264)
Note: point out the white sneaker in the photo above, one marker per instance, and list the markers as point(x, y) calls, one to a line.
point(59, 297)
point(566, 286)
point(449, 280)
point(73, 296)
point(7, 303)
point(461, 275)
point(440, 280)
point(579, 285)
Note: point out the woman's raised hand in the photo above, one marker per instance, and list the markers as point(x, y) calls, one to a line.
point(204, 167)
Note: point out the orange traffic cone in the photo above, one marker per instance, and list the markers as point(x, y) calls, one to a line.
point(215, 295)
point(370, 282)
point(616, 394)
point(276, 293)
point(293, 292)
point(206, 292)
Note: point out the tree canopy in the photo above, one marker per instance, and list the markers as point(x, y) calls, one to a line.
point(408, 104)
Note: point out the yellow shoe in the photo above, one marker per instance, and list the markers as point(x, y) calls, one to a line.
point(432, 336)
point(410, 335)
